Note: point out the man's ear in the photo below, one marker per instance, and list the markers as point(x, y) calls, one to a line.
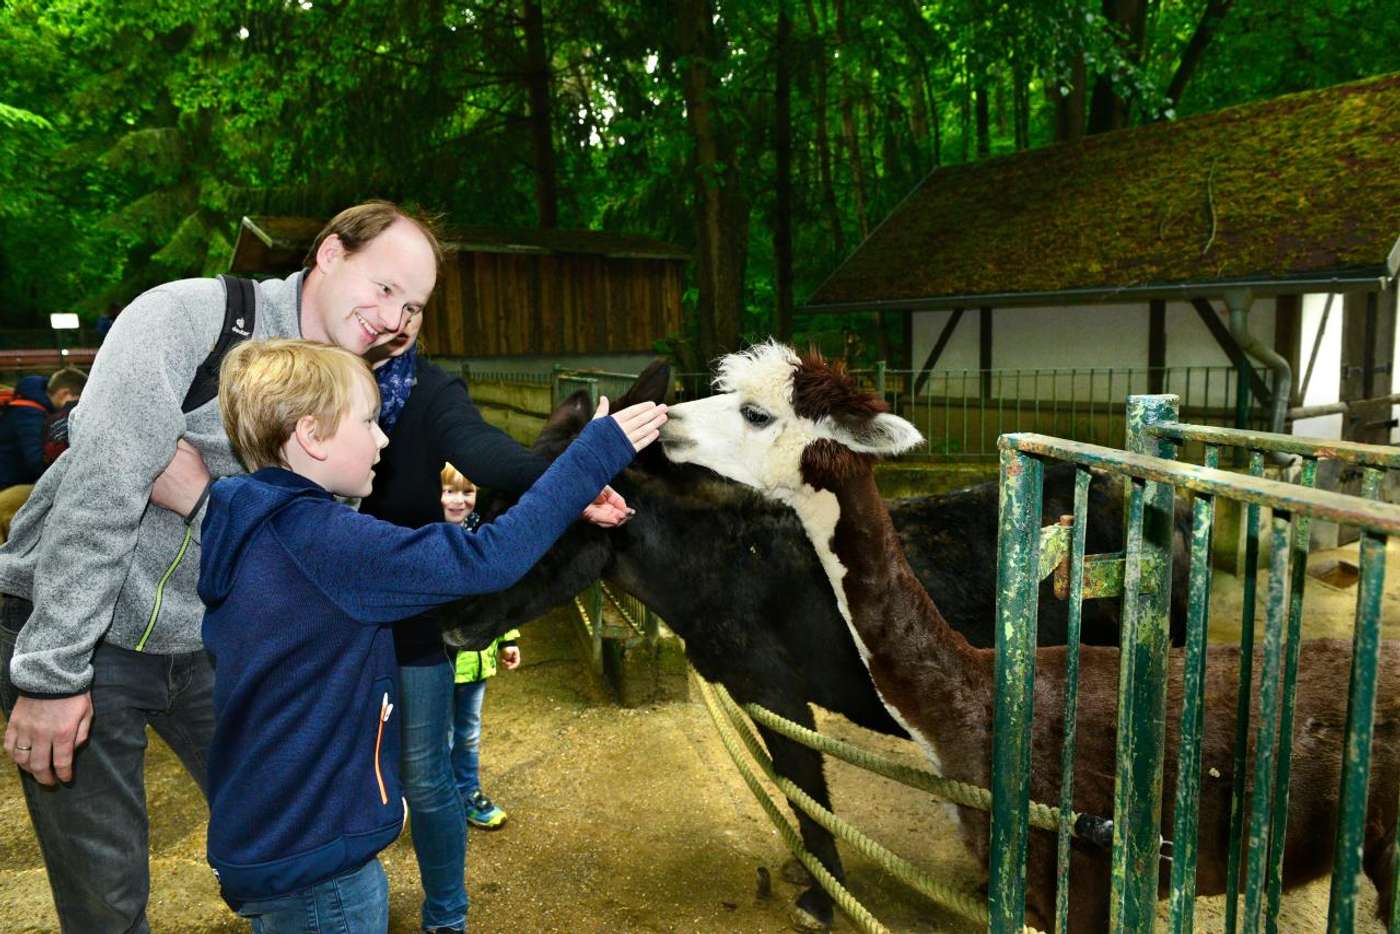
point(307, 436)
point(330, 250)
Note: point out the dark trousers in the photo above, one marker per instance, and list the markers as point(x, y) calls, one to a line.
point(93, 831)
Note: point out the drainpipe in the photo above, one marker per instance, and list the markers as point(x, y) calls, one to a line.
point(1239, 301)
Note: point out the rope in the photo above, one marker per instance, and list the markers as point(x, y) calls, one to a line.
point(844, 900)
point(968, 904)
point(1042, 816)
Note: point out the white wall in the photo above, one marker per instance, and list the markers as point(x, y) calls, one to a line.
point(1085, 338)
point(1326, 382)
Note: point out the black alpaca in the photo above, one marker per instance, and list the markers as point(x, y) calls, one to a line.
point(736, 577)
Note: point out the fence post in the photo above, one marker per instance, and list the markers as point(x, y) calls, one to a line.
point(880, 378)
point(1142, 685)
point(1018, 547)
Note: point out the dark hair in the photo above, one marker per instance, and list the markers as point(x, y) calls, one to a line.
point(68, 378)
point(358, 225)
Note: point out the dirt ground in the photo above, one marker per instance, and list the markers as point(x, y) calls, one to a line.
point(626, 820)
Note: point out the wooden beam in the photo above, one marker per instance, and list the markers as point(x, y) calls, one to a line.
point(984, 349)
point(1156, 344)
point(1232, 349)
point(938, 346)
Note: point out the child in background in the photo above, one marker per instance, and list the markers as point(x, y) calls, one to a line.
point(300, 590)
point(473, 668)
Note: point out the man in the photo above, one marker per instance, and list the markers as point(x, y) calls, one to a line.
point(24, 429)
point(22, 423)
point(113, 640)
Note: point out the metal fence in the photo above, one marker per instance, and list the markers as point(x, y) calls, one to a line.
point(1259, 792)
point(962, 412)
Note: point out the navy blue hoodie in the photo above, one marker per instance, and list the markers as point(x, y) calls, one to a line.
point(299, 589)
point(22, 432)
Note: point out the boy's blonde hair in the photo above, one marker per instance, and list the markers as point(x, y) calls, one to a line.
point(454, 479)
point(266, 387)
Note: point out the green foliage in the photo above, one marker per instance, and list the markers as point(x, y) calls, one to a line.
point(134, 135)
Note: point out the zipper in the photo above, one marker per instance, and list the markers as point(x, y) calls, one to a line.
point(160, 587)
point(385, 708)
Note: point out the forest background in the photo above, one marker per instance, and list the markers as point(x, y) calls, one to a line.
point(767, 136)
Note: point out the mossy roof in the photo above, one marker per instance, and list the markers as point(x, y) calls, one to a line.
point(278, 244)
point(1296, 189)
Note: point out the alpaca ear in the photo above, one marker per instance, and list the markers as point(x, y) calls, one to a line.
point(882, 434)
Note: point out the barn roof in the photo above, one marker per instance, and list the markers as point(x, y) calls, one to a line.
point(277, 244)
point(1287, 195)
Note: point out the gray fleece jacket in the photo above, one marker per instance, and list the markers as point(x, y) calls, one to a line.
point(98, 561)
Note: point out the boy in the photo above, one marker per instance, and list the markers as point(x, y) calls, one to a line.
point(299, 590)
point(472, 670)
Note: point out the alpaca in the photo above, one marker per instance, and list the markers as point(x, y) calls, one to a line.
point(751, 600)
point(798, 431)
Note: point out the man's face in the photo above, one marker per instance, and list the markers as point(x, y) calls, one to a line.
point(353, 450)
point(367, 297)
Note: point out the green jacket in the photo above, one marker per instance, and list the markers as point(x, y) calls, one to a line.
point(478, 666)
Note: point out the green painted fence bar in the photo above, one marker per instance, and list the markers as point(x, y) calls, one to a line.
point(1146, 641)
point(1266, 738)
point(1351, 452)
point(1076, 604)
point(1018, 588)
point(1297, 577)
point(1246, 682)
point(1188, 769)
point(1356, 763)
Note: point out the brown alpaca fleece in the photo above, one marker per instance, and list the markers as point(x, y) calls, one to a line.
point(944, 690)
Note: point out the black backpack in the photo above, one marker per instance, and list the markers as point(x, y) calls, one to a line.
point(240, 314)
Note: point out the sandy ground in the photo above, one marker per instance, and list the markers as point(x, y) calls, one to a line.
point(625, 820)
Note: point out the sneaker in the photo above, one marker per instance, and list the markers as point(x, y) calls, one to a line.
point(482, 813)
point(444, 931)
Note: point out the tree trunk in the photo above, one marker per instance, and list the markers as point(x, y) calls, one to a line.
point(850, 132)
point(721, 211)
point(833, 214)
point(537, 84)
point(984, 136)
point(782, 145)
point(1069, 108)
point(1196, 47)
point(1107, 110)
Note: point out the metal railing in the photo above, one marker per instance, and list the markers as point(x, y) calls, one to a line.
point(1260, 786)
point(961, 413)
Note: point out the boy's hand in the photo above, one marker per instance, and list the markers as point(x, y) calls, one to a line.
point(182, 482)
point(510, 657)
point(641, 422)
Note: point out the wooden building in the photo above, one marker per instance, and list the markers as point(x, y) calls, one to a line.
point(1262, 231)
point(512, 293)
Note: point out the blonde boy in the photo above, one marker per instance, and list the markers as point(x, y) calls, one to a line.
point(300, 591)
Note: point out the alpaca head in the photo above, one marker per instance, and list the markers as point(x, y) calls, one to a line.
point(781, 423)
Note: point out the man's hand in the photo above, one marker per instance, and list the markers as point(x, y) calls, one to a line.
point(182, 482)
point(510, 657)
point(43, 735)
point(609, 510)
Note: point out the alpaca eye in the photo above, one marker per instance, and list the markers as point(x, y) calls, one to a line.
point(755, 416)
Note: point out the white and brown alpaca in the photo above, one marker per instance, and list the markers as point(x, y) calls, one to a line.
point(797, 430)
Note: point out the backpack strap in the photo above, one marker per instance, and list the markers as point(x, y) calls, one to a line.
point(240, 314)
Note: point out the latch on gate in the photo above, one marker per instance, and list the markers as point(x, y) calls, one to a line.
point(1103, 574)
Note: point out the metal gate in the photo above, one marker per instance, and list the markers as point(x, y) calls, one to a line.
point(1257, 830)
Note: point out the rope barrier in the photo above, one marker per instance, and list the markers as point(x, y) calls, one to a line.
point(1042, 816)
point(854, 910)
point(967, 904)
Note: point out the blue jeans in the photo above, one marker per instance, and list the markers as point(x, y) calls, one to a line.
point(466, 736)
point(355, 903)
point(436, 818)
point(93, 831)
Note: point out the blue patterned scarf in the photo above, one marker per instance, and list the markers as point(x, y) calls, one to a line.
point(396, 379)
